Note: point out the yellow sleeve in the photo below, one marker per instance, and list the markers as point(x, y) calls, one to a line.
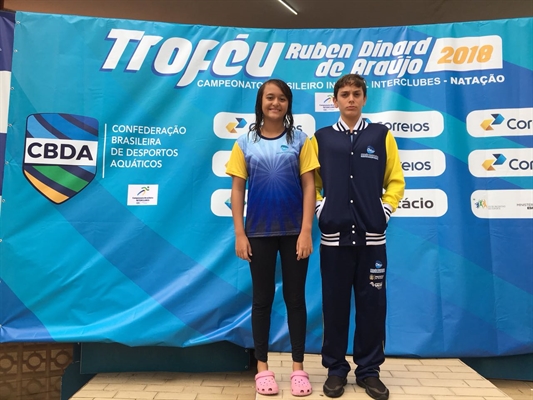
point(236, 165)
point(318, 178)
point(308, 158)
point(394, 182)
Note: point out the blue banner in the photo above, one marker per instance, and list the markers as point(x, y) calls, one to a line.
point(7, 21)
point(116, 221)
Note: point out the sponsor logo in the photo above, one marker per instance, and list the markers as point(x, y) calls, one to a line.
point(502, 204)
point(60, 154)
point(370, 153)
point(496, 119)
point(498, 159)
point(305, 123)
point(144, 189)
point(232, 127)
point(218, 163)
point(324, 103)
point(378, 268)
point(501, 162)
point(228, 125)
point(422, 162)
point(377, 285)
point(500, 122)
point(482, 203)
point(422, 203)
point(419, 124)
point(143, 195)
point(221, 203)
point(283, 149)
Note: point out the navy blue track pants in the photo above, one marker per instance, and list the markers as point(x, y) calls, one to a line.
point(361, 269)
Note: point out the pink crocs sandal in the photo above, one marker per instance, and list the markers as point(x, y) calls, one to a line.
point(265, 383)
point(300, 385)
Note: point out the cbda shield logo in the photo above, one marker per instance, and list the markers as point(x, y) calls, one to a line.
point(60, 154)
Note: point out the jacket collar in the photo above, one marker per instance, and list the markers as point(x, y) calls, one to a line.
point(341, 126)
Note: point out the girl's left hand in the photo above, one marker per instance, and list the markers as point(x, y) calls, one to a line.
point(304, 246)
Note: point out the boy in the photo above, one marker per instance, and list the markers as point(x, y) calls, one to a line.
point(362, 182)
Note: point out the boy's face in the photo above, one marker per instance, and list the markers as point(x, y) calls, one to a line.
point(350, 101)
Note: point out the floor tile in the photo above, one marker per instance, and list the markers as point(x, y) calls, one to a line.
point(406, 378)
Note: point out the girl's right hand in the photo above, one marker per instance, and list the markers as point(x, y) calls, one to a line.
point(243, 248)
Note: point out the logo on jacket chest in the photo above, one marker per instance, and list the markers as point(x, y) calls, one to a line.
point(370, 153)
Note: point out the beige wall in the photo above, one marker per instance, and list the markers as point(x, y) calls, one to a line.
point(32, 370)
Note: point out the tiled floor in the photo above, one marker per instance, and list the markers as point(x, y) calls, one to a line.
point(407, 379)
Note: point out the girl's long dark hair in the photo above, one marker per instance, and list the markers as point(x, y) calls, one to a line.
point(288, 121)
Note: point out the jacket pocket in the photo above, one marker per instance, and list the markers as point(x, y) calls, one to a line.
point(387, 210)
point(319, 206)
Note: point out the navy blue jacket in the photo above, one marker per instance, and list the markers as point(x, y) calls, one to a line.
point(359, 184)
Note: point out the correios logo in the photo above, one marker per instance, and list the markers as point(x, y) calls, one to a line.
point(498, 159)
point(60, 154)
point(496, 119)
point(232, 127)
point(500, 122)
point(411, 125)
point(219, 161)
point(227, 125)
point(422, 162)
point(501, 162)
point(221, 202)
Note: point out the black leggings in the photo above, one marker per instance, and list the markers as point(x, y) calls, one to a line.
point(294, 273)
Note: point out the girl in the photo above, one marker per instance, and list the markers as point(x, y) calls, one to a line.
point(279, 163)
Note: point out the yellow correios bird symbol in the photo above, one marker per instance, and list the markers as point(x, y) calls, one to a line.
point(231, 127)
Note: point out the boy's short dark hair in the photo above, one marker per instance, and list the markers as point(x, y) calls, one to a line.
point(350, 80)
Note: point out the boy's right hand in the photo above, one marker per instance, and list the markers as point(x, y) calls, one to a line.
point(243, 248)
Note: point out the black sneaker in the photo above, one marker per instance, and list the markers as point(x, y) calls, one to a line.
point(334, 386)
point(374, 387)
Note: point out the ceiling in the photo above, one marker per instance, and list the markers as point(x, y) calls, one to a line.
point(272, 14)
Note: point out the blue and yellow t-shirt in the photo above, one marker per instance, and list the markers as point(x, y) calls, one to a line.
point(273, 168)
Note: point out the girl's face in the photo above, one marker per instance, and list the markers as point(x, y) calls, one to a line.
point(274, 103)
